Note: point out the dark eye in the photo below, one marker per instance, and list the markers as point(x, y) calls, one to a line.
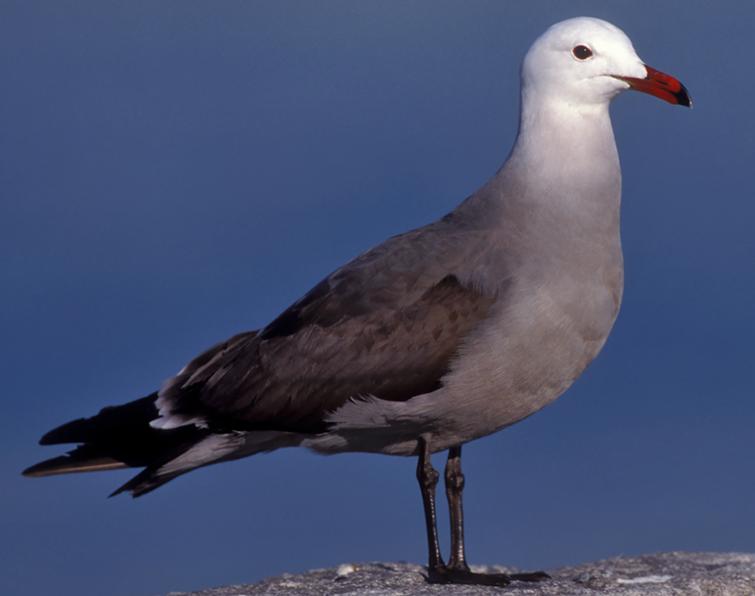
point(582, 52)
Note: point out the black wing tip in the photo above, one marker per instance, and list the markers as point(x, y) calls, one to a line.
point(109, 420)
point(65, 433)
point(47, 467)
point(81, 459)
point(35, 471)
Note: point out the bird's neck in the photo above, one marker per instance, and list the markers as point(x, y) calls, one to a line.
point(566, 152)
point(559, 192)
point(561, 181)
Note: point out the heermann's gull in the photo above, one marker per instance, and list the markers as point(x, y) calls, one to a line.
point(437, 336)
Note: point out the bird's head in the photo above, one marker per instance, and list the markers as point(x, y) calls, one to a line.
point(586, 61)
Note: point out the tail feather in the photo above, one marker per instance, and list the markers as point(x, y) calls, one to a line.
point(118, 437)
point(139, 485)
point(211, 449)
point(121, 437)
point(81, 459)
point(145, 482)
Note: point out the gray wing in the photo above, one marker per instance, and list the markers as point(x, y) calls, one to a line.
point(387, 324)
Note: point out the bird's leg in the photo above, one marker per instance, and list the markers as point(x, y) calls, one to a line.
point(454, 488)
point(457, 571)
point(428, 480)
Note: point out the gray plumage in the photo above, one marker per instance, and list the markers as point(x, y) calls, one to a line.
point(451, 331)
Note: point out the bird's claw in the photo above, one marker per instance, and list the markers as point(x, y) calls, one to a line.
point(449, 575)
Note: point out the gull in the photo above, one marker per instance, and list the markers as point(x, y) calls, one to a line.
point(434, 338)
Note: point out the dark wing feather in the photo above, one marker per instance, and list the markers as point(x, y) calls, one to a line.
point(387, 324)
point(121, 436)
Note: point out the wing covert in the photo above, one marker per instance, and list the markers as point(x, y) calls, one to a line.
point(386, 325)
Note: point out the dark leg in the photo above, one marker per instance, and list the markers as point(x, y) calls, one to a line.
point(454, 488)
point(457, 571)
point(428, 480)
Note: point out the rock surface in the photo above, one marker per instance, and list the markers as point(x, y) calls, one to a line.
point(677, 574)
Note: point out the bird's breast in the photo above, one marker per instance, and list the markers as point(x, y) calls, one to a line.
point(539, 339)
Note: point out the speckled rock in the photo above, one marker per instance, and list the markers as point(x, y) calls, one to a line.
point(667, 574)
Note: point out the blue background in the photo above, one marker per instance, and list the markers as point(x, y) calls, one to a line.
point(174, 172)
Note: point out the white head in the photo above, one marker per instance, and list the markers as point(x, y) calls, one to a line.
point(586, 61)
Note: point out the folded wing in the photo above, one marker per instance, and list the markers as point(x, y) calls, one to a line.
point(387, 325)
